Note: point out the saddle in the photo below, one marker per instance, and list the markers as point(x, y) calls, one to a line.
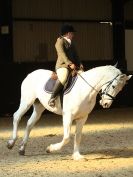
point(48, 87)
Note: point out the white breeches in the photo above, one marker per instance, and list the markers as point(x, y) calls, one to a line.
point(62, 74)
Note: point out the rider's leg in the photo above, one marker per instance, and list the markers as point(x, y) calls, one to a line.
point(57, 88)
point(63, 74)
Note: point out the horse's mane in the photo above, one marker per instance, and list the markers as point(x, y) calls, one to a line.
point(105, 68)
point(96, 71)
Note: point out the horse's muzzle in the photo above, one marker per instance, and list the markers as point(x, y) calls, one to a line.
point(105, 103)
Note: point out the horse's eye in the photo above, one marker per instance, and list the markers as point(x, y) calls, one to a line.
point(113, 86)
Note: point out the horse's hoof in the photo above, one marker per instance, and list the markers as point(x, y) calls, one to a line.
point(78, 157)
point(9, 145)
point(48, 149)
point(21, 152)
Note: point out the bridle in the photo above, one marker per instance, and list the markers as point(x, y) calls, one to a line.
point(105, 91)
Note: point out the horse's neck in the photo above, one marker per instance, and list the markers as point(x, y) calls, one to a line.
point(97, 77)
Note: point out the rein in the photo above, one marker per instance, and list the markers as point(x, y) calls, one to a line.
point(88, 82)
point(105, 90)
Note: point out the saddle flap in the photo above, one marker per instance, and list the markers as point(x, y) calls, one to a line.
point(48, 87)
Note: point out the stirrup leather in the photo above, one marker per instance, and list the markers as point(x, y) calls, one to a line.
point(51, 102)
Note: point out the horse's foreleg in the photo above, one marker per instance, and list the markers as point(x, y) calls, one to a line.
point(37, 112)
point(77, 138)
point(23, 108)
point(67, 122)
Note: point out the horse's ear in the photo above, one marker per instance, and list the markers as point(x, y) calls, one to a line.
point(129, 77)
point(116, 64)
point(125, 76)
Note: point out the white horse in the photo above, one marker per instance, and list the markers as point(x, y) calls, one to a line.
point(77, 104)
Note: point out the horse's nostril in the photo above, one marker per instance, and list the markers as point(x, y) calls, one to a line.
point(105, 104)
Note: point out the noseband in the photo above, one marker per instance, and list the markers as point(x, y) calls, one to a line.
point(105, 91)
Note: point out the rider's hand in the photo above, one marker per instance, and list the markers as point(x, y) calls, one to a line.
point(81, 67)
point(72, 66)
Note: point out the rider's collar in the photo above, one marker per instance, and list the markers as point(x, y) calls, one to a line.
point(68, 40)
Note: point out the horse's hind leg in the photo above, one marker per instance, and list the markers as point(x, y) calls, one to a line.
point(27, 100)
point(37, 112)
point(23, 108)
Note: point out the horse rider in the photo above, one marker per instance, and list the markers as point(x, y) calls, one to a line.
point(67, 60)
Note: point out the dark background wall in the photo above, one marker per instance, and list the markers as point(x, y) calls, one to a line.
point(28, 30)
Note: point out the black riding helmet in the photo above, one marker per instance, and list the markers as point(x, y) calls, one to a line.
point(67, 28)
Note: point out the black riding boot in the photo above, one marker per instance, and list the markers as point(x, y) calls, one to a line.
point(57, 88)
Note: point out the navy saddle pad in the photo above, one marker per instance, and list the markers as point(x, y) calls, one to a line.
point(48, 87)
